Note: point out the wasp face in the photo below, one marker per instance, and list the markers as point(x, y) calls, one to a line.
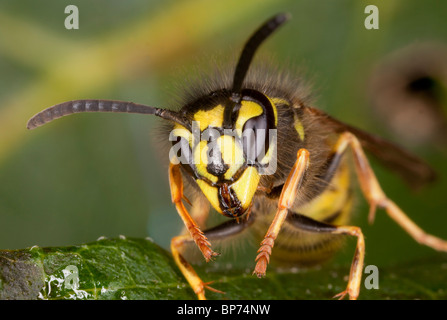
point(226, 157)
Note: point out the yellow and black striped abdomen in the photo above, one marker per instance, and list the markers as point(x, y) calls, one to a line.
point(333, 206)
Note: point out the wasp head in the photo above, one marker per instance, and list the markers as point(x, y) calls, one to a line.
point(227, 158)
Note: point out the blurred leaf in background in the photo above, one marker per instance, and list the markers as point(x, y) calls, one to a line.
point(103, 175)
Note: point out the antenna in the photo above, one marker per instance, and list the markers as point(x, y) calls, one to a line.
point(253, 43)
point(78, 106)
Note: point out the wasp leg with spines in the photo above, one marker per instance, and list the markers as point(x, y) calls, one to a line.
point(199, 212)
point(355, 276)
point(176, 185)
point(187, 270)
point(376, 197)
point(286, 200)
point(222, 231)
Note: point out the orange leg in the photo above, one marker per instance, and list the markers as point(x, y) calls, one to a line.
point(376, 198)
point(286, 201)
point(310, 225)
point(187, 270)
point(176, 184)
point(355, 275)
point(199, 212)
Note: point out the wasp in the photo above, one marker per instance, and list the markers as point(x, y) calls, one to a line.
point(295, 189)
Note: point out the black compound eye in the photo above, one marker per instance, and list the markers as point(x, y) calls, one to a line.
point(254, 139)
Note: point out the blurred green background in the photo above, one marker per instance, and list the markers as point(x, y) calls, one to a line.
point(94, 175)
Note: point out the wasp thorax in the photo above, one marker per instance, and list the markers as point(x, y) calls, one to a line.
point(227, 162)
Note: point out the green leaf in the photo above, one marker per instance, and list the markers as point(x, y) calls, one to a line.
point(106, 269)
point(423, 279)
point(139, 269)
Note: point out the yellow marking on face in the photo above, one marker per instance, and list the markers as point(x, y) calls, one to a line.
point(299, 128)
point(268, 156)
point(251, 109)
point(297, 123)
point(248, 110)
point(274, 102)
point(232, 154)
point(213, 117)
point(210, 193)
point(181, 131)
point(200, 154)
point(245, 187)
